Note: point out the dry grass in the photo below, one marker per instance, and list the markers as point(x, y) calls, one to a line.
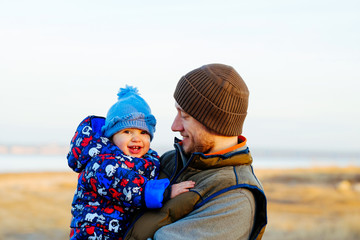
point(302, 204)
point(319, 203)
point(36, 205)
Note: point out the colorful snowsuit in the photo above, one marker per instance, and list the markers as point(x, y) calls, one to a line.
point(111, 185)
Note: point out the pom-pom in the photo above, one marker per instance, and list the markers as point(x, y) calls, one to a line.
point(128, 90)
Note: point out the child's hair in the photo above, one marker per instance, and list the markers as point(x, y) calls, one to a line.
point(130, 111)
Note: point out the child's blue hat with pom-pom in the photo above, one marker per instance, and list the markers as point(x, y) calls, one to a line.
point(130, 111)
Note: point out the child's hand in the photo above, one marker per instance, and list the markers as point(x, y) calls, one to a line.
point(182, 187)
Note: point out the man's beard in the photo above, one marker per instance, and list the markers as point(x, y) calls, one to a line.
point(203, 142)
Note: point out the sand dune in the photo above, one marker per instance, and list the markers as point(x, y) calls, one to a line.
point(321, 203)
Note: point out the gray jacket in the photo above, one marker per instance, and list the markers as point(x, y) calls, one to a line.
point(227, 201)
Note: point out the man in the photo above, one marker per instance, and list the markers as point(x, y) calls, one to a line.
point(227, 201)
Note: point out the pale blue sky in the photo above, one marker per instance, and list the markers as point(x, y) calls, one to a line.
point(63, 60)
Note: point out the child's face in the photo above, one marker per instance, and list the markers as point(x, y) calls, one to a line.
point(132, 141)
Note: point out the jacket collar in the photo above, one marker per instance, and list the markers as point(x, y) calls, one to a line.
point(233, 156)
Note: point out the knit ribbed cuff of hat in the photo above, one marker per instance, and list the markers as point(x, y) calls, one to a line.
point(133, 120)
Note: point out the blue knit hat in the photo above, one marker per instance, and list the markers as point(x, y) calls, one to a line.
point(130, 111)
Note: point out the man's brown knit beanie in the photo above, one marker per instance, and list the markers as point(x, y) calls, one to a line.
point(216, 96)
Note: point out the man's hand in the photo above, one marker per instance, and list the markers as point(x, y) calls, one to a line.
point(182, 187)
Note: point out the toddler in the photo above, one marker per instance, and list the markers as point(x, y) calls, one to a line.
point(117, 169)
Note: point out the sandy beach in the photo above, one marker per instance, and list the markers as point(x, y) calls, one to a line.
point(321, 203)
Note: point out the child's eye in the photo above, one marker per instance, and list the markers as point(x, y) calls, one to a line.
point(126, 131)
point(144, 132)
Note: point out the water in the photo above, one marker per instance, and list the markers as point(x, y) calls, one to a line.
point(32, 163)
point(41, 163)
point(304, 162)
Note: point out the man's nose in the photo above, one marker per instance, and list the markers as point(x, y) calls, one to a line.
point(177, 125)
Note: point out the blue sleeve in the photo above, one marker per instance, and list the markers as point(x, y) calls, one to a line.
point(154, 192)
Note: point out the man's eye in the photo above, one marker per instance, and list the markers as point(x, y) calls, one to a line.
point(184, 115)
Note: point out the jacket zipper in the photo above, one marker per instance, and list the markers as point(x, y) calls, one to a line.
point(179, 152)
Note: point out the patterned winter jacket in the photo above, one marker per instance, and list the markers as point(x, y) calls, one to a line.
point(111, 185)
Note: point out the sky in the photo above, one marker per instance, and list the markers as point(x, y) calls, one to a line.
point(61, 61)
